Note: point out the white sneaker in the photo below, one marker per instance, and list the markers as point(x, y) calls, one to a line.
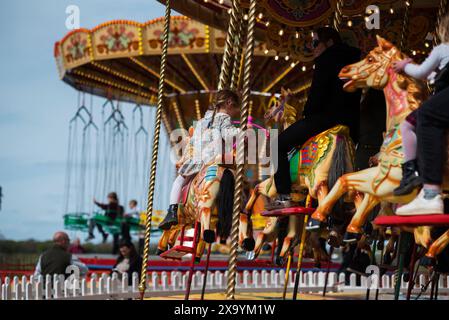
point(421, 206)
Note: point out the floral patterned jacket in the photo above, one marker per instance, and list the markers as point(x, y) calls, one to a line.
point(206, 142)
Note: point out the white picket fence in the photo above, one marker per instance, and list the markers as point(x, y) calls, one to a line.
point(173, 283)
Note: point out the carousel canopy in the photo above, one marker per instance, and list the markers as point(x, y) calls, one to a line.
point(120, 60)
point(285, 25)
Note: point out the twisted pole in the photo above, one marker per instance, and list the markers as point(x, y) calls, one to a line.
point(405, 31)
point(232, 266)
point(225, 72)
point(235, 78)
point(338, 16)
point(157, 131)
point(442, 10)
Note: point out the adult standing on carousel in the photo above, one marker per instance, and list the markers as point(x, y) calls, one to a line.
point(327, 105)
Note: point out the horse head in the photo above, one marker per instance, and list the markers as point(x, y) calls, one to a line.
point(403, 94)
point(373, 71)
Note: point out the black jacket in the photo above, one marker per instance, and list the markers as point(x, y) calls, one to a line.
point(55, 261)
point(112, 210)
point(327, 97)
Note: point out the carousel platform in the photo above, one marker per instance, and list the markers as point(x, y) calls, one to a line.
point(104, 263)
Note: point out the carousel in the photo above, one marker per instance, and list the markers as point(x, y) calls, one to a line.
point(175, 65)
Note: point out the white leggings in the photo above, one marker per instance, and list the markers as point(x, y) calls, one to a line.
point(176, 189)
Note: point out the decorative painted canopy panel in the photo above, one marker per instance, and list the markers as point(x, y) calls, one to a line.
point(286, 25)
point(121, 60)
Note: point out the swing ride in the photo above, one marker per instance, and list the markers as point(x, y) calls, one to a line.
point(262, 50)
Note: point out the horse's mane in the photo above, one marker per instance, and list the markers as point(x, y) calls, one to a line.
point(417, 90)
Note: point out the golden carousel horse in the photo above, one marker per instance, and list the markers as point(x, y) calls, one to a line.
point(403, 94)
point(314, 169)
point(207, 199)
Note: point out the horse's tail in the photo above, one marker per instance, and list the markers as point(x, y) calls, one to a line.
point(340, 165)
point(225, 202)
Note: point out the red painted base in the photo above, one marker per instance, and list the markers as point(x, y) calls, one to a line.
point(294, 211)
point(420, 220)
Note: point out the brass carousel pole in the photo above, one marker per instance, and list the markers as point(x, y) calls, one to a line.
point(232, 268)
point(157, 130)
point(338, 16)
point(405, 25)
point(442, 10)
point(225, 72)
point(234, 84)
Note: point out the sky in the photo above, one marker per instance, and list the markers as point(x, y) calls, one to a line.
point(36, 106)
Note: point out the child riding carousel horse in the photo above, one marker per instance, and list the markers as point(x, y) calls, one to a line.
point(204, 147)
point(433, 120)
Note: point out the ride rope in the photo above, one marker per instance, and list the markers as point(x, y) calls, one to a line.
point(405, 25)
point(157, 131)
point(232, 267)
point(227, 57)
point(442, 10)
point(338, 17)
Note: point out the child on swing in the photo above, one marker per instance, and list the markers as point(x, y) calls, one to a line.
point(206, 143)
point(435, 69)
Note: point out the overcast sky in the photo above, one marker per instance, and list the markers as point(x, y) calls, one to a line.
point(35, 107)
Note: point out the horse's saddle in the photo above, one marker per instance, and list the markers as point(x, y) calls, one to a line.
point(305, 158)
point(208, 172)
point(185, 191)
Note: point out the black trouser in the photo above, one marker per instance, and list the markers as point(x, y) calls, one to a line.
point(92, 225)
point(296, 135)
point(433, 121)
point(115, 240)
point(125, 230)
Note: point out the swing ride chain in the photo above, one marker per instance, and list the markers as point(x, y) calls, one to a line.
point(230, 293)
point(338, 17)
point(149, 213)
point(405, 25)
point(142, 129)
point(442, 10)
point(227, 57)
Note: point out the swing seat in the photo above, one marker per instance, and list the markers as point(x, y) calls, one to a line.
point(293, 211)
point(112, 226)
point(134, 223)
point(76, 221)
point(413, 221)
